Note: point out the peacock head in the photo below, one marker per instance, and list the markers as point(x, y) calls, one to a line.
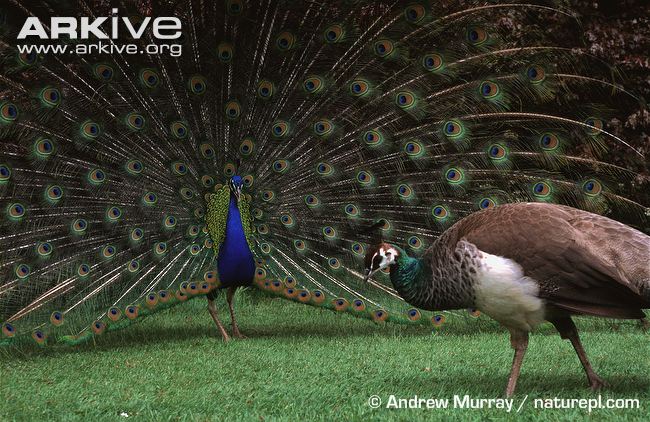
point(379, 257)
point(236, 183)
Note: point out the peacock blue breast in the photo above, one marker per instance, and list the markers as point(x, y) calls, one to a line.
point(235, 262)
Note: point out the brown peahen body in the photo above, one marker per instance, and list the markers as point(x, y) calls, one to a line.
point(525, 263)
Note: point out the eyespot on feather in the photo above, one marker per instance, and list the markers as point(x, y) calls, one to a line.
point(414, 13)
point(285, 41)
point(8, 330)
point(380, 315)
point(131, 312)
point(50, 97)
point(8, 112)
point(358, 305)
point(225, 52)
point(476, 35)
point(103, 72)
point(232, 110)
point(39, 337)
point(304, 296)
point(318, 297)
point(549, 142)
point(98, 327)
point(333, 34)
point(56, 318)
point(384, 48)
point(197, 85)
point(433, 62)
point(135, 121)
point(149, 78)
point(151, 300)
point(413, 314)
point(437, 320)
point(340, 304)
point(179, 130)
point(313, 84)
point(592, 187)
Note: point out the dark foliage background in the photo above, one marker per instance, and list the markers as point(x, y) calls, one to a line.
point(619, 33)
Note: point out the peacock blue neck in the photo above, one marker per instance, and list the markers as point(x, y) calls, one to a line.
point(416, 283)
point(235, 262)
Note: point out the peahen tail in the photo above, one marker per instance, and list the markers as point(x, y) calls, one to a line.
point(342, 114)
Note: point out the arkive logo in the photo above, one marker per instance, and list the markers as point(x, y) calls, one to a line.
point(163, 28)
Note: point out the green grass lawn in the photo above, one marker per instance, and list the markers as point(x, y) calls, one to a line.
point(303, 363)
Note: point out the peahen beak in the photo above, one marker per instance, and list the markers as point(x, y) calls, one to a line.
point(373, 272)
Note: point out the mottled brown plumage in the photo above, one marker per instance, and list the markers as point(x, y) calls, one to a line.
point(583, 262)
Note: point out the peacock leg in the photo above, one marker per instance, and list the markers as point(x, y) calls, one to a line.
point(568, 330)
point(212, 308)
point(519, 342)
point(235, 329)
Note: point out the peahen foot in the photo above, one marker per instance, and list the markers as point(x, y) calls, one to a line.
point(596, 383)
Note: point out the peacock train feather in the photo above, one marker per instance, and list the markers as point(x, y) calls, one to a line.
point(115, 168)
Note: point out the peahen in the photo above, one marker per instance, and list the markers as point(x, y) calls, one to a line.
point(126, 179)
point(548, 262)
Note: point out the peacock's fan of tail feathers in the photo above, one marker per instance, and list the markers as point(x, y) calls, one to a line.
point(342, 114)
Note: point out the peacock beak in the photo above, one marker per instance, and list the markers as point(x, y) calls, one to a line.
point(238, 193)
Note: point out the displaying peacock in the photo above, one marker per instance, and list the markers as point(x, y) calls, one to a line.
point(264, 152)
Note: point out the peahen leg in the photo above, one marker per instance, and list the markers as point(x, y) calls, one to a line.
point(212, 308)
point(519, 342)
point(568, 330)
point(235, 329)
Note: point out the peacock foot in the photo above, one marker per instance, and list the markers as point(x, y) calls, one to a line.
point(238, 335)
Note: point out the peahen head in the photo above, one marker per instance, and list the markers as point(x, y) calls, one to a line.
point(236, 183)
point(381, 256)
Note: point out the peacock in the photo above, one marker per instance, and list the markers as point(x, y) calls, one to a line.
point(549, 261)
point(275, 146)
